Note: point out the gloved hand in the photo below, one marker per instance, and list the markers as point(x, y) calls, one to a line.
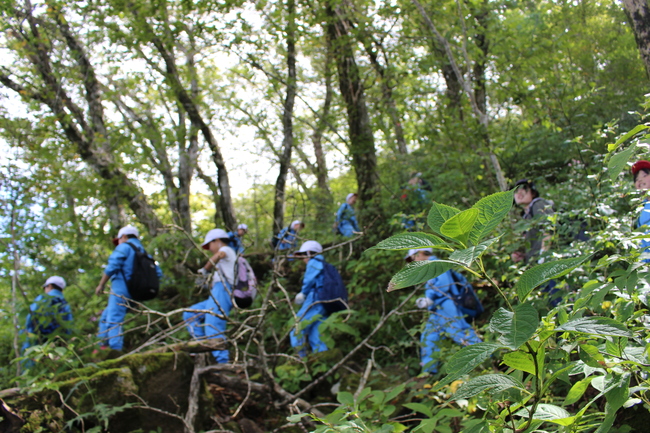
point(300, 298)
point(423, 303)
point(202, 271)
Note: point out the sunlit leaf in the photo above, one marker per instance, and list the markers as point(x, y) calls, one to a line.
point(520, 361)
point(618, 162)
point(458, 226)
point(547, 412)
point(577, 390)
point(438, 214)
point(492, 209)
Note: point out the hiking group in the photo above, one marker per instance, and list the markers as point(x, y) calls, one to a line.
point(449, 297)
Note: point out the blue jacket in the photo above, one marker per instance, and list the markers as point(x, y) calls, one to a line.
point(120, 262)
point(313, 279)
point(346, 216)
point(644, 220)
point(286, 239)
point(42, 307)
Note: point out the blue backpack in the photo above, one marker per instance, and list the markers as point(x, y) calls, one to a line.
point(333, 294)
point(465, 297)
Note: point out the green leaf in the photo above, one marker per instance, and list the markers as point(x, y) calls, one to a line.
point(466, 360)
point(468, 255)
point(426, 426)
point(546, 412)
point(405, 241)
point(623, 138)
point(438, 214)
point(619, 390)
point(345, 398)
point(419, 407)
point(577, 390)
point(458, 226)
point(542, 273)
point(419, 272)
point(395, 392)
point(619, 161)
point(492, 209)
point(297, 418)
point(596, 326)
point(515, 327)
point(519, 360)
point(494, 382)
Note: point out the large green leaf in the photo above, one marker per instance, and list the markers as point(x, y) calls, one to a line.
point(515, 328)
point(492, 209)
point(494, 382)
point(596, 326)
point(438, 214)
point(540, 274)
point(405, 241)
point(619, 161)
point(419, 272)
point(520, 360)
point(466, 360)
point(468, 255)
point(623, 138)
point(458, 226)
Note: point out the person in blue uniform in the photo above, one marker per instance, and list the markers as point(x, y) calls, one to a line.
point(118, 271)
point(641, 175)
point(346, 219)
point(446, 320)
point(288, 236)
point(48, 313)
point(236, 239)
point(221, 264)
point(310, 312)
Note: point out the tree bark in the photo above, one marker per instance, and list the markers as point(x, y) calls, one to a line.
point(287, 120)
point(362, 143)
point(638, 13)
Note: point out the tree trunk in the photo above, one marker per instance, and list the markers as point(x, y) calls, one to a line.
point(362, 143)
point(173, 78)
point(638, 13)
point(287, 120)
point(480, 113)
point(386, 89)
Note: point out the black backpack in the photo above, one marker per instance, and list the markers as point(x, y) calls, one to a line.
point(143, 284)
point(333, 294)
point(465, 297)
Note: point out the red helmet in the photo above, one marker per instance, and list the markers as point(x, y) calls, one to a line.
point(640, 165)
